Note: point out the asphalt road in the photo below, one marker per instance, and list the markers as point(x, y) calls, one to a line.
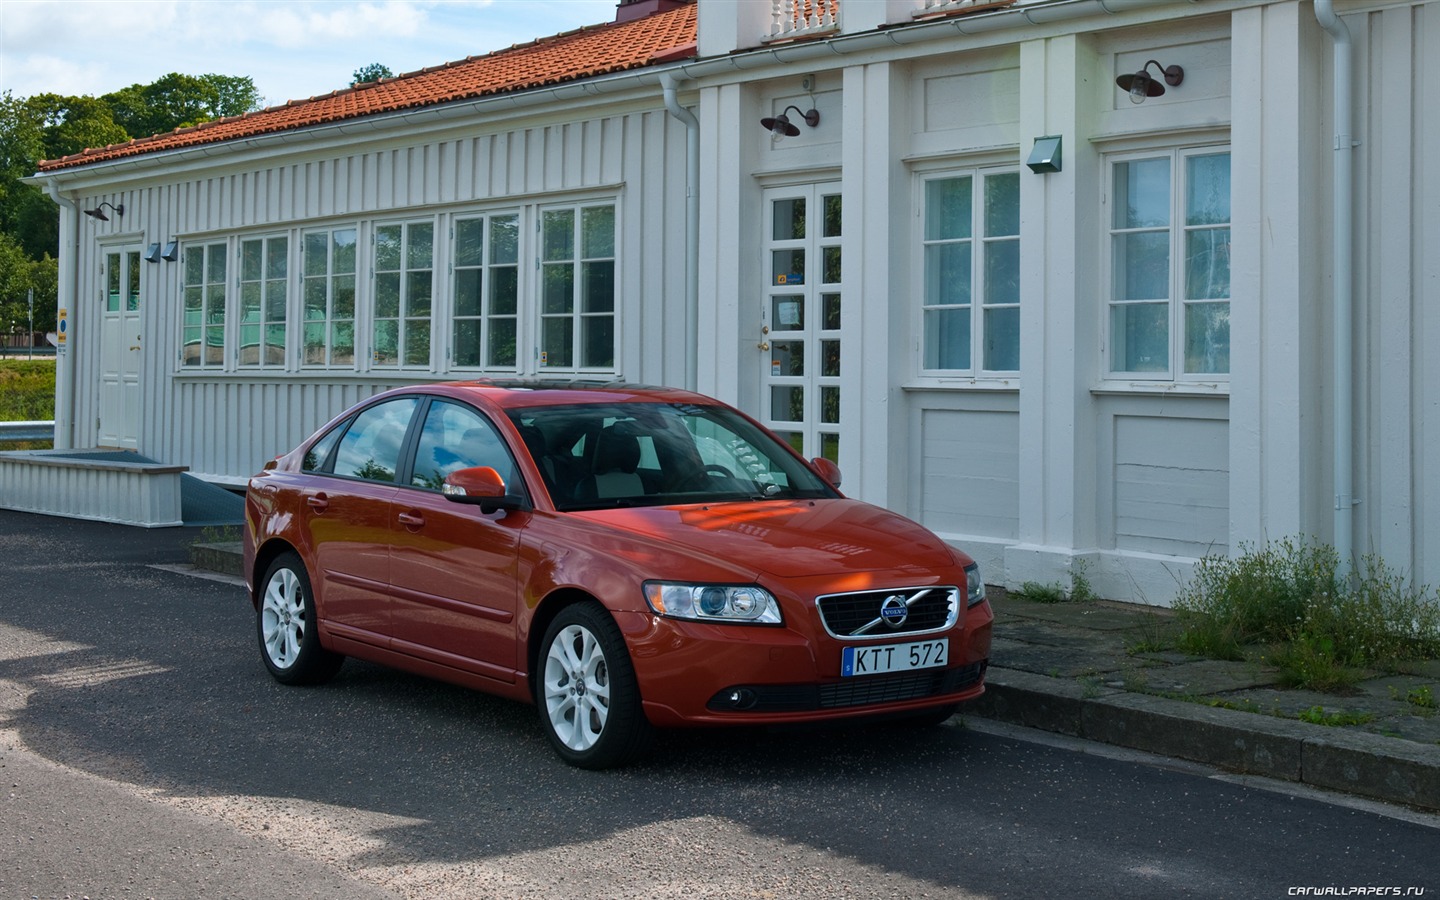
point(144, 752)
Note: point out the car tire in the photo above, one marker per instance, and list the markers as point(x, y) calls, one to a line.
point(586, 692)
point(288, 628)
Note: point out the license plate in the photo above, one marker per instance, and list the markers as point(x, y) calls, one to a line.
point(894, 657)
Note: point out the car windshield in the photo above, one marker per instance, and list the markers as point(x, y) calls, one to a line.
point(594, 456)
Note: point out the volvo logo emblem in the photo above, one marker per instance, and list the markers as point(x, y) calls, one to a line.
point(894, 611)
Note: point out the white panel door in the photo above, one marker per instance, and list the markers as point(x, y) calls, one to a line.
point(120, 350)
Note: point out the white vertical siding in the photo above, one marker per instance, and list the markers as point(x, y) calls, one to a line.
point(1397, 288)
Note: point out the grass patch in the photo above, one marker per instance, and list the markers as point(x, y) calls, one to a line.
point(27, 390)
point(1054, 592)
point(1325, 628)
point(1316, 715)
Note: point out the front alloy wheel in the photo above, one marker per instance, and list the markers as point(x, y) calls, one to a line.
point(286, 624)
point(588, 697)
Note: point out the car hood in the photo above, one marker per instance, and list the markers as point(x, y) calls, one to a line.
point(789, 538)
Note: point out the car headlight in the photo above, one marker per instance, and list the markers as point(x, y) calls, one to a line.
point(974, 585)
point(713, 602)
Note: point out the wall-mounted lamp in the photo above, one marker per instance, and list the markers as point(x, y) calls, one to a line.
point(781, 125)
point(1045, 155)
point(172, 251)
point(1141, 85)
point(99, 211)
point(152, 253)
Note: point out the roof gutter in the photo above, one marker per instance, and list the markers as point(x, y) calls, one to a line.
point(65, 290)
point(1343, 301)
point(692, 227)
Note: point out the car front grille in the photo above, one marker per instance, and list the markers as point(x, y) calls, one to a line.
point(851, 692)
point(863, 615)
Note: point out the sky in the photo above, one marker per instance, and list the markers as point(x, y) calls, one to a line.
point(291, 49)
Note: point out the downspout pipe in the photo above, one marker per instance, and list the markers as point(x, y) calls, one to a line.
point(692, 227)
point(1343, 232)
point(65, 299)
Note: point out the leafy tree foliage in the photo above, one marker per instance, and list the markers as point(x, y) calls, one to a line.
point(179, 101)
point(372, 72)
point(19, 275)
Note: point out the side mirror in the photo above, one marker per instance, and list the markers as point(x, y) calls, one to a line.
point(827, 470)
point(481, 486)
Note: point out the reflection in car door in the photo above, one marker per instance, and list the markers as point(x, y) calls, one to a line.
point(347, 520)
point(453, 568)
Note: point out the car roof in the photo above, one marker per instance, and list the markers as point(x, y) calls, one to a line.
point(517, 393)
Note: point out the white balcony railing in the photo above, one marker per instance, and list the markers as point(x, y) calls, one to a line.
point(791, 19)
point(924, 8)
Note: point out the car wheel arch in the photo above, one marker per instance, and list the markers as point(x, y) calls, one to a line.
point(266, 554)
point(544, 613)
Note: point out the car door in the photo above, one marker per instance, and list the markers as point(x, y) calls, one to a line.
point(348, 518)
point(453, 568)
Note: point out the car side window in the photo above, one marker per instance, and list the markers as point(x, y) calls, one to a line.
point(370, 447)
point(457, 437)
point(319, 453)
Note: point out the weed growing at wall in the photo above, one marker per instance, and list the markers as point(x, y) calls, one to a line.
point(1324, 628)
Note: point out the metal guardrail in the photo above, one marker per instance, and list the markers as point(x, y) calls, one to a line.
point(27, 431)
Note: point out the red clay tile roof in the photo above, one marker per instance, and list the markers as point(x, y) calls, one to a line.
point(585, 53)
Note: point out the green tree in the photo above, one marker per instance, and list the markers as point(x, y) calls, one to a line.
point(45, 126)
point(179, 101)
point(372, 72)
point(19, 275)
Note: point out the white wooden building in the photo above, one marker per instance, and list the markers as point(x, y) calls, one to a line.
point(1202, 323)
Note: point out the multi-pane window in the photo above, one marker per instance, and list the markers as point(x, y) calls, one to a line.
point(264, 282)
point(527, 289)
point(1170, 265)
point(328, 288)
point(203, 292)
point(404, 285)
point(487, 291)
point(577, 286)
point(971, 249)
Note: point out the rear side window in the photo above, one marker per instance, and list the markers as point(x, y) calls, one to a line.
point(457, 437)
point(370, 447)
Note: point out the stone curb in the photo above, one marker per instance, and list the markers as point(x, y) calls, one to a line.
point(1374, 766)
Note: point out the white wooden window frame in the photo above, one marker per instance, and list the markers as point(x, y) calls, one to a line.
point(263, 284)
point(978, 242)
point(210, 251)
point(1177, 232)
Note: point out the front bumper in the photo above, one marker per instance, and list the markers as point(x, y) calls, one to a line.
point(693, 673)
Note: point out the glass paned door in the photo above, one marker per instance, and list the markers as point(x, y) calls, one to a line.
point(800, 318)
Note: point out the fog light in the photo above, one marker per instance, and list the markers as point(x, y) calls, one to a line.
point(735, 699)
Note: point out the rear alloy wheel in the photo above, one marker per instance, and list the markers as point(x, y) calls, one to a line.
point(587, 694)
point(288, 628)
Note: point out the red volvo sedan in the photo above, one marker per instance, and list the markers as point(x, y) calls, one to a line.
point(623, 557)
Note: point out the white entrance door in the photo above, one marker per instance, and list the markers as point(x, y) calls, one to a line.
point(120, 352)
point(800, 383)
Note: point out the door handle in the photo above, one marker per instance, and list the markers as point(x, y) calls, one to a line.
point(319, 502)
point(412, 520)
